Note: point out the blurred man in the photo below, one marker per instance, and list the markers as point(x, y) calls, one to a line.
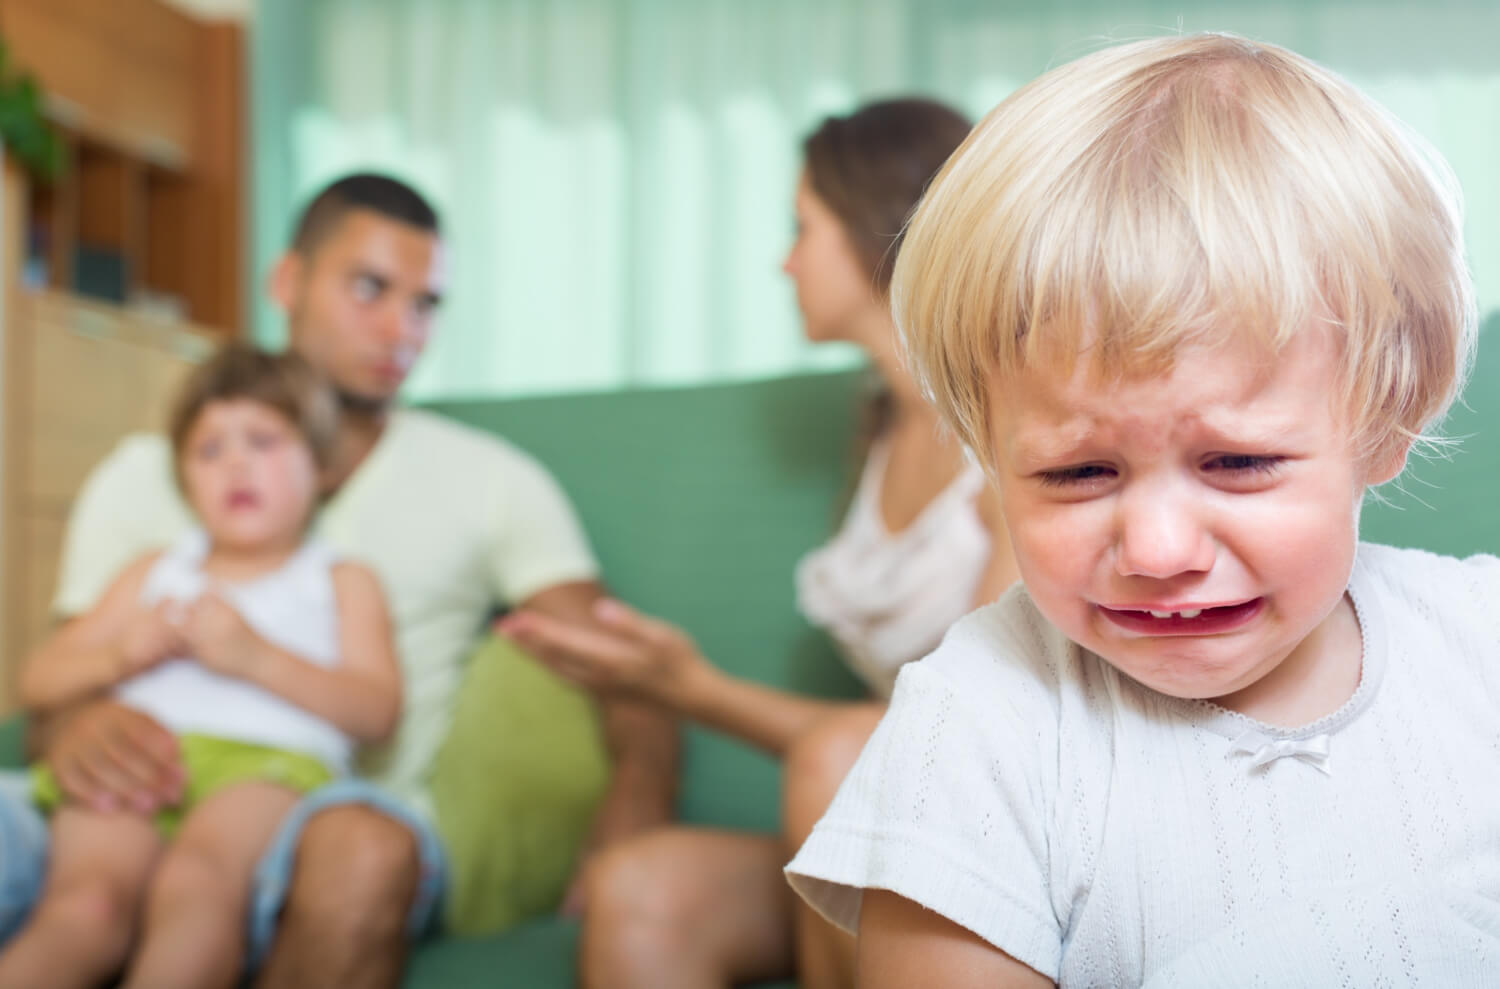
point(455, 522)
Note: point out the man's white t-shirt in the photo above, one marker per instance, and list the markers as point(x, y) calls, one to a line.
point(452, 520)
point(1108, 835)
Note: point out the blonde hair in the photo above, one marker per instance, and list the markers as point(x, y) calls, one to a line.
point(1188, 191)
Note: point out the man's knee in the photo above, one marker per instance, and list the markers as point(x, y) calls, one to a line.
point(355, 857)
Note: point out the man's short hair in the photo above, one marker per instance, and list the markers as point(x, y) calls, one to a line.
point(380, 194)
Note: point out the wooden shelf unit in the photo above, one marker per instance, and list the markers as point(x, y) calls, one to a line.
point(151, 103)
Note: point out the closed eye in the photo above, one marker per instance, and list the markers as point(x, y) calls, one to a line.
point(1243, 463)
point(1072, 476)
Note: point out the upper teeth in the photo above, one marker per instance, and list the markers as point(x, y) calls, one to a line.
point(1190, 613)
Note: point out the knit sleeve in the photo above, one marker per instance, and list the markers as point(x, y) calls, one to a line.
point(949, 803)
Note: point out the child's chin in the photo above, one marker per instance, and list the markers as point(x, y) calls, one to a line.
point(1193, 683)
point(243, 532)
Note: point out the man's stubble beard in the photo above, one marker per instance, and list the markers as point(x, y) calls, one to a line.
point(358, 406)
point(351, 404)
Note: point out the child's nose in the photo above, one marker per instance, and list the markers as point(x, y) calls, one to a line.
point(237, 459)
point(1159, 533)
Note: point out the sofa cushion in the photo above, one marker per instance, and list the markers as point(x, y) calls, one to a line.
point(515, 787)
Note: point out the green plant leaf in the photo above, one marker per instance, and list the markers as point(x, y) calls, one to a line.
point(25, 131)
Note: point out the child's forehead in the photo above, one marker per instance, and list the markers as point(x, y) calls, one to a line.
point(1188, 381)
point(233, 410)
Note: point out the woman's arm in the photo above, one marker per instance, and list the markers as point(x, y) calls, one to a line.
point(361, 695)
point(903, 945)
point(1000, 572)
point(110, 642)
point(768, 718)
point(628, 653)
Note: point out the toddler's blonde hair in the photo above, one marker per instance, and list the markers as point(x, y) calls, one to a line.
point(1188, 190)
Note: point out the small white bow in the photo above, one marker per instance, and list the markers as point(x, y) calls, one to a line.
point(1264, 750)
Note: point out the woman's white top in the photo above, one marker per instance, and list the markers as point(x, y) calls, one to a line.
point(293, 607)
point(888, 598)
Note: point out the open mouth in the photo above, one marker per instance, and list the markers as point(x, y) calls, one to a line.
point(1189, 621)
point(241, 500)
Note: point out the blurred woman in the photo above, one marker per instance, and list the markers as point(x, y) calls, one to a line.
point(921, 544)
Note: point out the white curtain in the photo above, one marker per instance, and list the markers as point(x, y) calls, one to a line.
point(615, 176)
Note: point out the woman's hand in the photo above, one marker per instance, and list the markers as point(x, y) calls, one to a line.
point(219, 639)
point(624, 652)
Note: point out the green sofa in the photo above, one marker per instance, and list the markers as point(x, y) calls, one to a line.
point(699, 502)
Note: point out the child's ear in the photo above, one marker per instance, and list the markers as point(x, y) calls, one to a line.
point(1387, 463)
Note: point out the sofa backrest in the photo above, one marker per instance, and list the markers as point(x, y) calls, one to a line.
point(699, 502)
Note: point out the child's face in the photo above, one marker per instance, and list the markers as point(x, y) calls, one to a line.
point(1224, 498)
point(249, 474)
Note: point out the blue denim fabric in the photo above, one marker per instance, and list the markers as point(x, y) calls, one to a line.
point(274, 873)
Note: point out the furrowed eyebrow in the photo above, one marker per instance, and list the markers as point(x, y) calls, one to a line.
point(1047, 447)
point(1263, 435)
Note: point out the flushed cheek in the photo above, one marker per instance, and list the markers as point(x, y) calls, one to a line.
point(1303, 549)
point(1057, 547)
point(1058, 570)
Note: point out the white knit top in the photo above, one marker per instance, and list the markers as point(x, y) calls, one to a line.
point(293, 607)
point(888, 598)
point(1108, 835)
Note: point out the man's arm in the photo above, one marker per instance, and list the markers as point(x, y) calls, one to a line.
point(642, 741)
point(103, 753)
